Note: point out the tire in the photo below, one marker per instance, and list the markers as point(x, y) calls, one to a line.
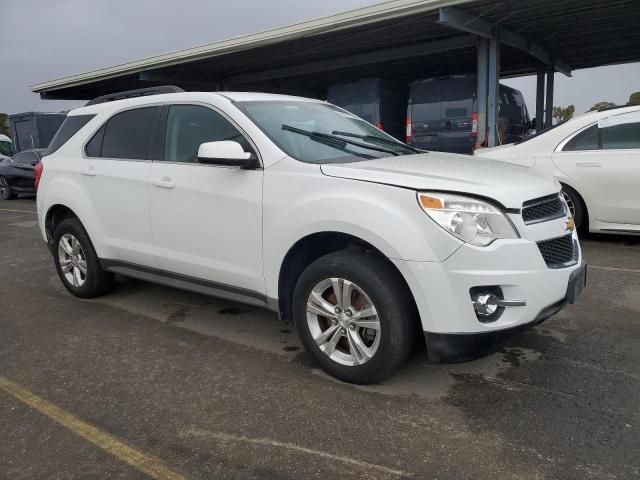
point(576, 206)
point(73, 255)
point(371, 281)
point(5, 190)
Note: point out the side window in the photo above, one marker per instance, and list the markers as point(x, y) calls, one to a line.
point(71, 125)
point(623, 136)
point(586, 140)
point(188, 126)
point(127, 134)
point(94, 147)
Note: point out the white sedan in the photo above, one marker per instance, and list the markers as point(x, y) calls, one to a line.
point(596, 158)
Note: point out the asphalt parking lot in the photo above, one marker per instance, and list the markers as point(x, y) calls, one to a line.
point(150, 381)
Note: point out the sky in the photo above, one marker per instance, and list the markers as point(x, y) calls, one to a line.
point(44, 40)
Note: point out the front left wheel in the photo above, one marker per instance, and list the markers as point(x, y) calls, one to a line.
point(76, 261)
point(355, 316)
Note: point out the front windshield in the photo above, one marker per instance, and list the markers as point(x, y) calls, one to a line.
point(289, 123)
point(6, 149)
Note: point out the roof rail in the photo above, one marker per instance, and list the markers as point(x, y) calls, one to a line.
point(140, 92)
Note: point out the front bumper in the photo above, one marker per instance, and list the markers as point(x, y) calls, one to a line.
point(442, 289)
point(451, 348)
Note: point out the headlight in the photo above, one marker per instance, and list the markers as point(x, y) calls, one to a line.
point(471, 220)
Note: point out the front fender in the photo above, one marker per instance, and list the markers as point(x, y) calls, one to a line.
point(302, 201)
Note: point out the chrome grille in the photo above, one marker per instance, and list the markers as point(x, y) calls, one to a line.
point(558, 252)
point(543, 209)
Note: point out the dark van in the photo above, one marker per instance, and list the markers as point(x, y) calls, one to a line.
point(380, 102)
point(442, 114)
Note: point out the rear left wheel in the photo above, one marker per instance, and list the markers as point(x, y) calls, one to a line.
point(76, 261)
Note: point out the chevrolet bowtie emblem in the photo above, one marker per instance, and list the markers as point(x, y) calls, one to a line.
point(570, 224)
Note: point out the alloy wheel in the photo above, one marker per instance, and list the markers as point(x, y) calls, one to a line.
point(73, 261)
point(4, 188)
point(343, 321)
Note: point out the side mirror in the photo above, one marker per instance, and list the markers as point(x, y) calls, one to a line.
point(225, 152)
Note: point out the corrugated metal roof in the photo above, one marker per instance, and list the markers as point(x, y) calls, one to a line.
point(333, 23)
point(398, 39)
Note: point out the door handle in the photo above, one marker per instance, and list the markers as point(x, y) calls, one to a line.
point(164, 182)
point(588, 164)
point(89, 172)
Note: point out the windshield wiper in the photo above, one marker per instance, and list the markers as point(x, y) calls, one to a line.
point(373, 138)
point(335, 141)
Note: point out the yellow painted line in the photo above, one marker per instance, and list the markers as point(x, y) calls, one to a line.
point(614, 269)
point(20, 211)
point(144, 463)
point(267, 442)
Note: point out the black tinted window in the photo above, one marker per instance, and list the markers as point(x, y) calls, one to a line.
point(94, 147)
point(621, 136)
point(128, 134)
point(68, 129)
point(189, 126)
point(585, 140)
point(426, 98)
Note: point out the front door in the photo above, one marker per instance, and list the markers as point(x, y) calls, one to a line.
point(206, 219)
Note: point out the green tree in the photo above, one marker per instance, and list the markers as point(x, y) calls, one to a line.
point(4, 124)
point(634, 99)
point(601, 105)
point(562, 114)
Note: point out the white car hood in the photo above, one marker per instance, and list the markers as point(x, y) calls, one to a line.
point(510, 185)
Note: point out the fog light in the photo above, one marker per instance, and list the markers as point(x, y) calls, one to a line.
point(489, 303)
point(486, 305)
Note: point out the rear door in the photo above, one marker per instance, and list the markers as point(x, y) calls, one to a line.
point(457, 108)
point(604, 161)
point(512, 117)
point(425, 112)
point(25, 134)
point(116, 172)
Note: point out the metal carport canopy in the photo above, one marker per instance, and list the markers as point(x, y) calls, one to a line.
point(398, 39)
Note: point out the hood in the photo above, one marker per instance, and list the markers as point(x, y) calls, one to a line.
point(510, 185)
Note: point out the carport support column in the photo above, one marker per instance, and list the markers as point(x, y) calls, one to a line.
point(481, 90)
point(548, 111)
point(540, 98)
point(493, 90)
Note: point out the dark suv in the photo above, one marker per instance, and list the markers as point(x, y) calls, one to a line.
point(442, 114)
point(380, 102)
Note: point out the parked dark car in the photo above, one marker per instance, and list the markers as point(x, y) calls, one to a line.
point(18, 176)
point(442, 114)
point(33, 130)
point(381, 102)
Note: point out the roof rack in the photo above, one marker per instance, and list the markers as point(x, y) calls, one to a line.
point(140, 92)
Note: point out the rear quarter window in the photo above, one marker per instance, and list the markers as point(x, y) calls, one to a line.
point(70, 126)
point(586, 140)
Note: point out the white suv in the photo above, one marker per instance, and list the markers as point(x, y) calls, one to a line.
point(298, 206)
